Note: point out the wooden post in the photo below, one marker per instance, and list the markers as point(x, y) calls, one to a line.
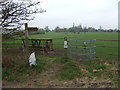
point(65, 45)
point(26, 42)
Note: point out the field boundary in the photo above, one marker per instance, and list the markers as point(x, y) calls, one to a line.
point(20, 44)
point(108, 40)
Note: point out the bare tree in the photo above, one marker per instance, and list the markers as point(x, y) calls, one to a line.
point(14, 13)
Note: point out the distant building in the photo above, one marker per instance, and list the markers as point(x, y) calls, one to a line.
point(35, 30)
point(32, 30)
point(119, 15)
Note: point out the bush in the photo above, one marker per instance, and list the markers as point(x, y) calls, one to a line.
point(19, 33)
point(7, 37)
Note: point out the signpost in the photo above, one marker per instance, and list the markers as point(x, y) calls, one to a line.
point(65, 45)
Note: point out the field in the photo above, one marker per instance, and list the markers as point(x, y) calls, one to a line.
point(59, 71)
point(104, 49)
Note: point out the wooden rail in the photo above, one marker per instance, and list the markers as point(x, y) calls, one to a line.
point(42, 44)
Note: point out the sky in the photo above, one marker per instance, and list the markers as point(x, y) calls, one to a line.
point(90, 13)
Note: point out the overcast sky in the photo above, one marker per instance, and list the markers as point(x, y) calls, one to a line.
point(92, 13)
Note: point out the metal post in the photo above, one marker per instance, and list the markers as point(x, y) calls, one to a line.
point(85, 47)
point(69, 49)
point(90, 49)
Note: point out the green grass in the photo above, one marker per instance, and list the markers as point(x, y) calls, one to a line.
point(61, 60)
point(8, 74)
point(95, 64)
point(69, 70)
point(106, 52)
point(17, 73)
point(94, 70)
point(40, 65)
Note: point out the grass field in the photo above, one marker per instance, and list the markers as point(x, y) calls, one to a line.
point(59, 71)
point(104, 49)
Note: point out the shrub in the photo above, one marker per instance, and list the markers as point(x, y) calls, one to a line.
point(7, 37)
point(19, 33)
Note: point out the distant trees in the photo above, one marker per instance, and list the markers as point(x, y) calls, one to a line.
point(46, 29)
point(78, 29)
point(57, 29)
point(100, 29)
point(14, 13)
point(91, 29)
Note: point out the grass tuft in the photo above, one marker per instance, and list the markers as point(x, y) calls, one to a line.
point(69, 71)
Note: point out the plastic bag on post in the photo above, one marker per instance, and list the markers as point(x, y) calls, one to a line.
point(32, 59)
point(65, 44)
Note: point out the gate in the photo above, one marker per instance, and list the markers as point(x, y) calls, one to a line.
point(81, 49)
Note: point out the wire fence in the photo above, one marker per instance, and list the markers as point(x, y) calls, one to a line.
point(79, 48)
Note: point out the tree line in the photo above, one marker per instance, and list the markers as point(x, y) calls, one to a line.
point(78, 29)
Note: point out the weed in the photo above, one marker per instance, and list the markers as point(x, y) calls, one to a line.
point(90, 69)
point(102, 66)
